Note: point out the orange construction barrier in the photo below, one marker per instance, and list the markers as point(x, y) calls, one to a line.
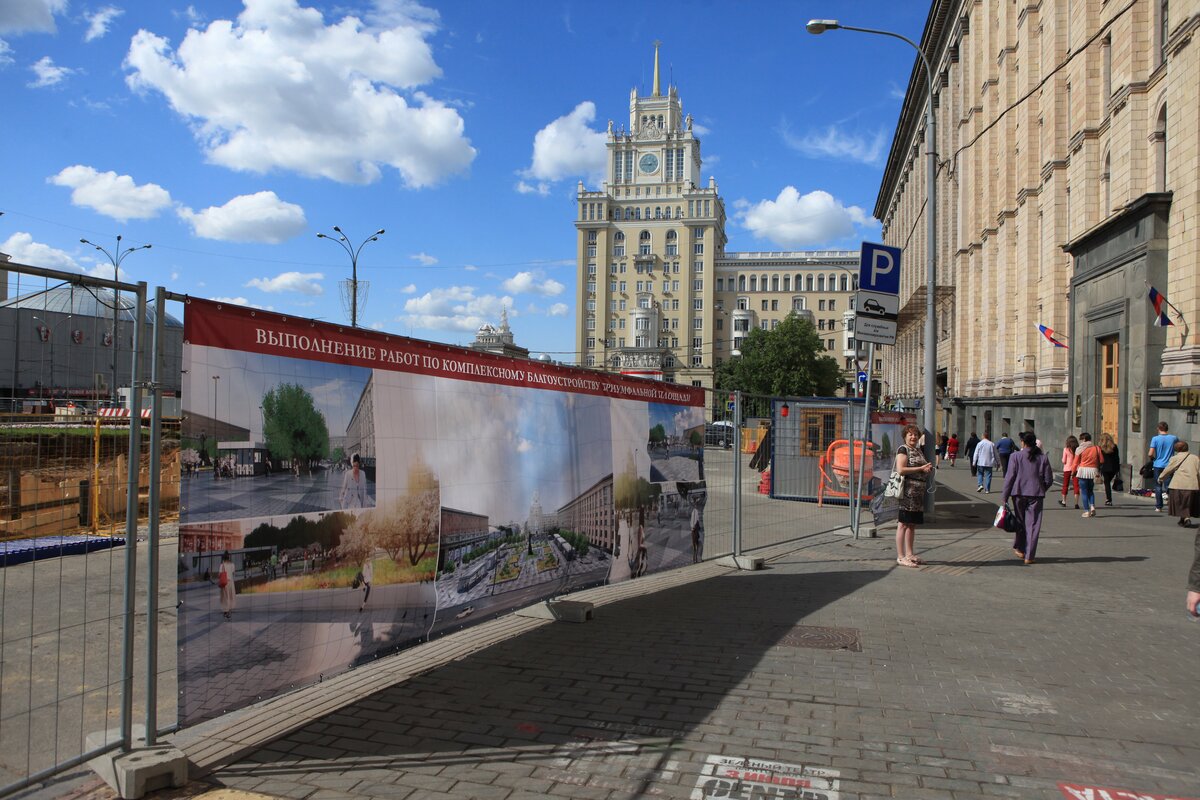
point(835, 468)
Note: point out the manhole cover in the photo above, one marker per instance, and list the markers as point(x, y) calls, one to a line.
point(817, 637)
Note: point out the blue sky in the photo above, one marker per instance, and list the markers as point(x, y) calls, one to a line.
point(228, 134)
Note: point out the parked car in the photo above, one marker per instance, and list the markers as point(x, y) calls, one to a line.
point(718, 434)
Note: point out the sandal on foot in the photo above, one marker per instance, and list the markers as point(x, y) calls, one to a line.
point(905, 561)
point(920, 562)
point(1018, 554)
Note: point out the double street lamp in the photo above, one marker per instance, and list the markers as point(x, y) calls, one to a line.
point(818, 26)
point(353, 252)
point(49, 336)
point(115, 258)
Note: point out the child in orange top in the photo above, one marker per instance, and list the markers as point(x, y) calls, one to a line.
point(1087, 467)
point(1068, 464)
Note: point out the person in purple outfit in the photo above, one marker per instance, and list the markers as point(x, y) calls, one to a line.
point(1026, 481)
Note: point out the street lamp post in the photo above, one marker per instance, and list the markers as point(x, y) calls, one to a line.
point(818, 26)
point(115, 258)
point(353, 252)
point(50, 328)
point(216, 438)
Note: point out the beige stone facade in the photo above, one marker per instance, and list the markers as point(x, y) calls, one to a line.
point(658, 295)
point(1067, 186)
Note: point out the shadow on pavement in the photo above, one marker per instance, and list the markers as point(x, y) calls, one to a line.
point(642, 674)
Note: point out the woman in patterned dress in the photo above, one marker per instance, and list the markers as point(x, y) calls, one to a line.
point(911, 464)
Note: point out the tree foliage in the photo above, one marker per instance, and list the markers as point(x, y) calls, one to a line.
point(789, 361)
point(302, 532)
point(407, 527)
point(658, 434)
point(293, 426)
point(631, 491)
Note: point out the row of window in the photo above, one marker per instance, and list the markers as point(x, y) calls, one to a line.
point(772, 283)
point(595, 211)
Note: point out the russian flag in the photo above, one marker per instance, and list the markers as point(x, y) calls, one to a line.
point(1049, 334)
point(1159, 300)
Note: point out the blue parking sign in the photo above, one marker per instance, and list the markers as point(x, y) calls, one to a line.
point(879, 268)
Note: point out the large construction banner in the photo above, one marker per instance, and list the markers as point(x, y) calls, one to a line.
point(348, 493)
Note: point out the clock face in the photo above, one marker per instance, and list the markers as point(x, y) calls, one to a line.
point(648, 163)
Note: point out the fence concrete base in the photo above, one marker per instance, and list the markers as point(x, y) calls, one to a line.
point(142, 770)
point(741, 562)
point(559, 610)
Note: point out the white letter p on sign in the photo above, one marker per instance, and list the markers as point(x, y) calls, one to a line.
point(878, 259)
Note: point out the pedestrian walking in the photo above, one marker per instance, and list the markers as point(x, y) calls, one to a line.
point(1026, 482)
point(227, 585)
point(1110, 466)
point(1068, 464)
point(1087, 467)
point(1183, 473)
point(983, 461)
point(1193, 595)
point(695, 521)
point(952, 449)
point(972, 443)
point(354, 486)
point(911, 464)
point(1004, 449)
point(1162, 447)
point(939, 449)
point(274, 564)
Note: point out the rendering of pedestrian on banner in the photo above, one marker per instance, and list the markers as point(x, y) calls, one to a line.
point(368, 576)
point(227, 585)
point(354, 486)
point(1183, 473)
point(1162, 447)
point(1027, 480)
point(695, 520)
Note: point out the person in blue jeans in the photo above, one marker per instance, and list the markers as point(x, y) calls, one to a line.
point(1004, 449)
point(984, 460)
point(1162, 447)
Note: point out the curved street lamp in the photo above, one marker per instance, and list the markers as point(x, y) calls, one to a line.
point(353, 252)
point(50, 328)
point(819, 26)
point(115, 258)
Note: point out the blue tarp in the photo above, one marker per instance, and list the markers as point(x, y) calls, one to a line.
point(19, 551)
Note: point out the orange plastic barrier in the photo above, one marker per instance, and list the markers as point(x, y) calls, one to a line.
point(835, 468)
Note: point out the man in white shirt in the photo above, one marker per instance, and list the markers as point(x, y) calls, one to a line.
point(985, 459)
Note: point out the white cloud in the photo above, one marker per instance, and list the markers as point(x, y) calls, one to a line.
point(48, 73)
point(260, 217)
point(834, 143)
point(558, 310)
point(542, 188)
point(233, 301)
point(112, 195)
point(302, 282)
point(532, 283)
point(792, 220)
point(30, 16)
point(567, 148)
point(410, 289)
point(456, 308)
point(6, 58)
point(278, 88)
point(99, 21)
point(424, 259)
point(25, 250)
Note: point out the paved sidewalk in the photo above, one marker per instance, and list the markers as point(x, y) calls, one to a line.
point(973, 677)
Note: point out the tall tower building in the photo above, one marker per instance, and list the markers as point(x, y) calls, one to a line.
point(657, 294)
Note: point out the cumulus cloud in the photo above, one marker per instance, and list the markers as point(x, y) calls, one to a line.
point(456, 308)
point(541, 187)
point(838, 144)
point(47, 73)
point(260, 217)
point(566, 148)
point(532, 283)
point(410, 289)
point(24, 250)
point(6, 58)
point(792, 220)
point(424, 259)
point(302, 282)
point(112, 195)
point(30, 16)
point(558, 310)
point(279, 88)
point(98, 22)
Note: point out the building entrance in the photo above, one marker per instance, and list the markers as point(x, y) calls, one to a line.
point(1110, 386)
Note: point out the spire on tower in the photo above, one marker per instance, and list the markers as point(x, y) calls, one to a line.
point(657, 91)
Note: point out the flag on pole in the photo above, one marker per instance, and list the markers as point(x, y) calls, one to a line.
point(1049, 334)
point(1159, 300)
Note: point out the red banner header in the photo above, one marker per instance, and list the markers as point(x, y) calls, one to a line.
point(231, 327)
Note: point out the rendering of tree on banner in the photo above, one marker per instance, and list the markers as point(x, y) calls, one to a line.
point(789, 361)
point(293, 427)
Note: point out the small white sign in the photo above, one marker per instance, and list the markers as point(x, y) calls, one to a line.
point(734, 778)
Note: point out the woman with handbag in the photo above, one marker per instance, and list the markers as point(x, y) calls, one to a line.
point(1183, 496)
point(914, 471)
point(1027, 480)
point(227, 585)
point(1110, 466)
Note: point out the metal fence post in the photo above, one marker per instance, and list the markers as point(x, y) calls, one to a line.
point(866, 437)
point(737, 472)
point(131, 520)
point(850, 472)
point(160, 302)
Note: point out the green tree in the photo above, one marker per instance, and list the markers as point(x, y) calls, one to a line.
point(788, 361)
point(658, 434)
point(294, 428)
point(408, 525)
